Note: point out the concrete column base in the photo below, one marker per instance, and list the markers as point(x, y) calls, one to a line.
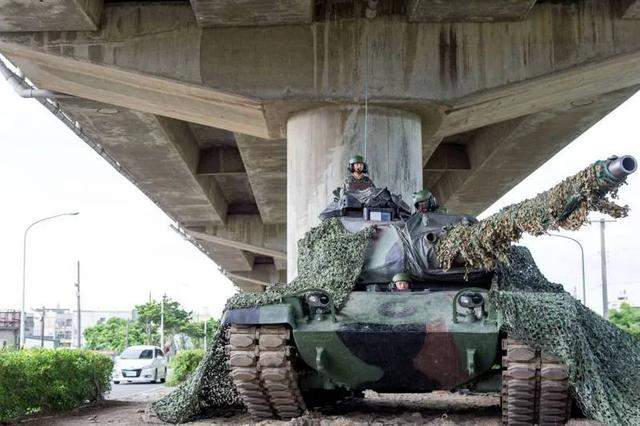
point(319, 144)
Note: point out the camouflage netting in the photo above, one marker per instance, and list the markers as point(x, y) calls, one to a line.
point(602, 359)
point(566, 205)
point(329, 258)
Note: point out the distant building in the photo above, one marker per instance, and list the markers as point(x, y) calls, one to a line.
point(60, 325)
point(622, 298)
point(9, 329)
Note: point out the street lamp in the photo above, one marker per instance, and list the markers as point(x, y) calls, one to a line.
point(24, 268)
point(584, 287)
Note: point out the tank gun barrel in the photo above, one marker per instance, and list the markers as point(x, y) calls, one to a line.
point(622, 167)
point(566, 205)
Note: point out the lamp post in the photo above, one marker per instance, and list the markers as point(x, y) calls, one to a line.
point(24, 268)
point(584, 287)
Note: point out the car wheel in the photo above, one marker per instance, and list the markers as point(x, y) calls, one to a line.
point(116, 382)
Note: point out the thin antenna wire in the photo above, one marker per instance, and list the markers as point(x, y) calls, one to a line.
point(366, 88)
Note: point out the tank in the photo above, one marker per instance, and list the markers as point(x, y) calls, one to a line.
point(442, 334)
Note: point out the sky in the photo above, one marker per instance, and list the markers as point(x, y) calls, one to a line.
point(128, 252)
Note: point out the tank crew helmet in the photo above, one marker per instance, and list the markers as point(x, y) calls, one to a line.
point(425, 196)
point(401, 276)
point(355, 160)
point(401, 282)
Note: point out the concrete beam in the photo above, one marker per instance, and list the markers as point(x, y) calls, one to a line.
point(217, 160)
point(468, 10)
point(503, 154)
point(149, 57)
point(230, 259)
point(266, 165)
point(448, 157)
point(262, 275)
point(538, 94)
point(52, 15)
point(156, 153)
point(630, 9)
point(179, 134)
point(223, 239)
point(234, 13)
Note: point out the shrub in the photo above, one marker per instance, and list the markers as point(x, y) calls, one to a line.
point(184, 363)
point(50, 380)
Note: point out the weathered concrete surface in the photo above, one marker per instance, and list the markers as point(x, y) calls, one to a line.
point(467, 10)
point(266, 163)
point(319, 145)
point(504, 153)
point(232, 13)
point(162, 167)
point(164, 157)
point(630, 9)
point(50, 15)
point(439, 65)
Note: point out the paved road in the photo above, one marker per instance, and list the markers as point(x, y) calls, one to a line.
point(137, 391)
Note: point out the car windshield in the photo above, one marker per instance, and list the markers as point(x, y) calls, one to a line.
point(137, 354)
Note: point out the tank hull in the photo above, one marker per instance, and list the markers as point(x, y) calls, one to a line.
point(388, 341)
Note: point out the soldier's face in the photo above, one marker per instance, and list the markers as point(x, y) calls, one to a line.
point(358, 167)
point(402, 285)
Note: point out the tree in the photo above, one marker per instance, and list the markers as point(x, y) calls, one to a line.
point(627, 318)
point(111, 335)
point(195, 330)
point(175, 318)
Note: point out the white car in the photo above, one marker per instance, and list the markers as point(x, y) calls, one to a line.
point(138, 364)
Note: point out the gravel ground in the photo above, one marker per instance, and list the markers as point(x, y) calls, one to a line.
point(438, 408)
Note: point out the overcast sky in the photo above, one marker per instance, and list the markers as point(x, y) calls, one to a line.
point(127, 250)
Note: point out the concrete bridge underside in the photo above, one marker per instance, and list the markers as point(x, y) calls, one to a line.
point(193, 99)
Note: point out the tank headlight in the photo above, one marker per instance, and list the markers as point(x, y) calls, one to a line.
point(471, 300)
point(318, 300)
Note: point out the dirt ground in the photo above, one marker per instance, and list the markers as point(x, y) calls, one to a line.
point(439, 408)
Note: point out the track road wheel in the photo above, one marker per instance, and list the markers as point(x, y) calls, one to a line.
point(260, 363)
point(535, 387)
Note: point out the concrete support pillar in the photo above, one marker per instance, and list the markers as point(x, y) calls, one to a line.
point(319, 144)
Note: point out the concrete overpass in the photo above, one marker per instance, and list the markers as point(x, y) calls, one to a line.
point(236, 116)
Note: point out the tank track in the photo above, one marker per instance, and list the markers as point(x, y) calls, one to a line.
point(535, 387)
point(260, 362)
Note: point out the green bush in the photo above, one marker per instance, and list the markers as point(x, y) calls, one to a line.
point(50, 380)
point(184, 363)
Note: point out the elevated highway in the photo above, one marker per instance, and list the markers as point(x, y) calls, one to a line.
point(236, 116)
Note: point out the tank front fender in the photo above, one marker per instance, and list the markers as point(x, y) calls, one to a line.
point(283, 313)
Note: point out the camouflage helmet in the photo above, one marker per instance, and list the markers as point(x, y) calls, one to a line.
point(425, 195)
point(401, 276)
point(357, 158)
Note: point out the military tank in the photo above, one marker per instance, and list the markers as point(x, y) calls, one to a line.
point(442, 334)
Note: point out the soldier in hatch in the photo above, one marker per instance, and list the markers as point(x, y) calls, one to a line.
point(358, 179)
point(425, 202)
point(401, 282)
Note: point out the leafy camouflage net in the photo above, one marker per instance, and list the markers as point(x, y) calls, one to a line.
point(208, 391)
point(329, 258)
point(602, 359)
point(566, 206)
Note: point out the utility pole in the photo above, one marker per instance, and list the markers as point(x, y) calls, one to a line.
point(603, 266)
point(205, 336)
point(44, 311)
point(126, 335)
point(162, 322)
point(79, 312)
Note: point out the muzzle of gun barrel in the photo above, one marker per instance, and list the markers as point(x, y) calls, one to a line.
point(622, 167)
